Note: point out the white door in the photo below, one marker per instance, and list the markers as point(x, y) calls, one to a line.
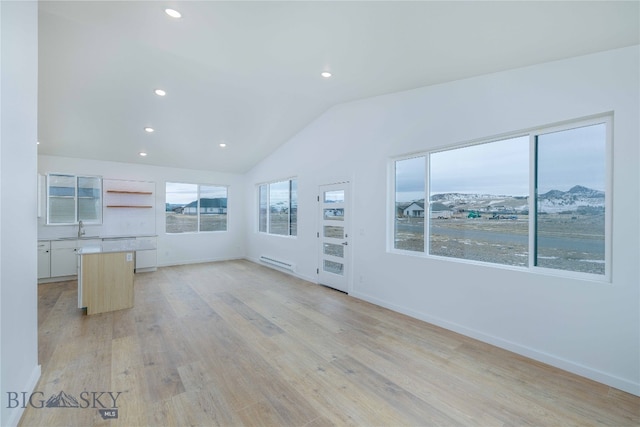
point(333, 236)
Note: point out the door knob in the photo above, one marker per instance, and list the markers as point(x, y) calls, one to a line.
point(345, 243)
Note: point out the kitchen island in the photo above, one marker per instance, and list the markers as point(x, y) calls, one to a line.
point(105, 274)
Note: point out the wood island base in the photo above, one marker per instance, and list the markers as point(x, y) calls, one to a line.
point(106, 280)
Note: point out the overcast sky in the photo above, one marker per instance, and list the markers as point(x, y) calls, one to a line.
point(565, 159)
point(183, 194)
point(582, 152)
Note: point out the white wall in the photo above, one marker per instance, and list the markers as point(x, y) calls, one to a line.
point(586, 327)
point(173, 249)
point(18, 283)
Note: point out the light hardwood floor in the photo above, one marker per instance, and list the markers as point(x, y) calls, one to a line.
point(234, 343)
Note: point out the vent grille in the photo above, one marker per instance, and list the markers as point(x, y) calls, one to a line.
point(276, 262)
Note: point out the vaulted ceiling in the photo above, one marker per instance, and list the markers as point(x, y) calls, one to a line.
point(247, 74)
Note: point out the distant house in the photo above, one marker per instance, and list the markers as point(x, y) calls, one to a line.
point(414, 210)
point(440, 211)
point(207, 206)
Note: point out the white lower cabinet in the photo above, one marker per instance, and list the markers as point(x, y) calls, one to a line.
point(59, 258)
point(44, 260)
point(64, 256)
point(147, 260)
point(64, 260)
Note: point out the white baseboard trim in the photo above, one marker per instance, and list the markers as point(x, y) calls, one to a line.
point(30, 387)
point(198, 261)
point(57, 279)
point(558, 362)
point(145, 270)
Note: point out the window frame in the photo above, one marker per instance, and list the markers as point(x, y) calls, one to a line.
point(291, 191)
point(532, 133)
point(198, 214)
point(606, 119)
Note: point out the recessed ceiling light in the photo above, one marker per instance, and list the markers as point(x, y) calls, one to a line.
point(222, 144)
point(325, 74)
point(142, 154)
point(173, 13)
point(160, 92)
point(148, 129)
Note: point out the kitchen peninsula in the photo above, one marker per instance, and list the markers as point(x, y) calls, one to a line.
point(105, 274)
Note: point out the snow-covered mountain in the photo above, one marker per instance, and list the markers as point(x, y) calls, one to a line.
point(577, 199)
point(479, 202)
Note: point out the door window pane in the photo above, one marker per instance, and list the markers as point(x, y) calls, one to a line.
point(570, 203)
point(333, 250)
point(409, 204)
point(334, 196)
point(333, 232)
point(334, 214)
point(333, 267)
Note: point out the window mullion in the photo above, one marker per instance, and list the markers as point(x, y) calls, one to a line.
point(198, 207)
point(268, 209)
point(289, 210)
point(75, 201)
point(427, 205)
point(533, 198)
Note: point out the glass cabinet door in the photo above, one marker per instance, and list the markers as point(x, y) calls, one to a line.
point(72, 198)
point(61, 197)
point(89, 199)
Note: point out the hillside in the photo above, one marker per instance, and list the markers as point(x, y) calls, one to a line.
point(577, 199)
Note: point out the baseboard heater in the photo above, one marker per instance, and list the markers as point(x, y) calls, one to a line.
point(277, 263)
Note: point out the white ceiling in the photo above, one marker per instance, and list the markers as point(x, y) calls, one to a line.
point(248, 73)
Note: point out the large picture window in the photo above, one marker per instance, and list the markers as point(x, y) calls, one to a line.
point(536, 200)
point(278, 208)
point(192, 208)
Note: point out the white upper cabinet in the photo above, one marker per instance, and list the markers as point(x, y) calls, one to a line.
point(72, 198)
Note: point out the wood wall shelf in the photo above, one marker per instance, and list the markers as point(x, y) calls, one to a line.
point(129, 206)
point(129, 192)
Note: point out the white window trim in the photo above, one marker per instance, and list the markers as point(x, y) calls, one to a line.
point(197, 207)
point(606, 118)
point(257, 223)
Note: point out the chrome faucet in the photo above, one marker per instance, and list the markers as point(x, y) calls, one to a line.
point(80, 229)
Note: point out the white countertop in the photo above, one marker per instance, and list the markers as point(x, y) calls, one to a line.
point(128, 245)
point(84, 237)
